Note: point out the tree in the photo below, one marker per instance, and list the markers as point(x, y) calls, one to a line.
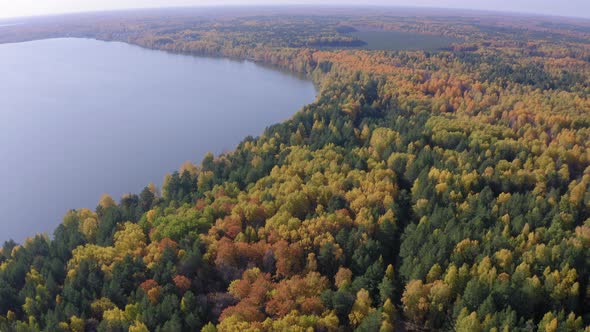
point(387, 287)
point(468, 322)
point(415, 301)
point(361, 308)
point(81, 289)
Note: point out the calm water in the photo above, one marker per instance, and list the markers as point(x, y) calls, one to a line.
point(79, 118)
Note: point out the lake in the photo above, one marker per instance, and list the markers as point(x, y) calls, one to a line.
point(81, 117)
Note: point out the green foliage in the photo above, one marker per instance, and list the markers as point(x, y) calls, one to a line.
point(435, 190)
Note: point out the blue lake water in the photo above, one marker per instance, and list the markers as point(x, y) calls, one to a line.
point(80, 117)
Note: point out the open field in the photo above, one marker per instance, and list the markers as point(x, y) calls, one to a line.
point(399, 40)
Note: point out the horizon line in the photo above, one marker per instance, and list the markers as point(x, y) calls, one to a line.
point(298, 5)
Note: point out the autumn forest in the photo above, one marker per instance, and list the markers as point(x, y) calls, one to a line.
point(440, 187)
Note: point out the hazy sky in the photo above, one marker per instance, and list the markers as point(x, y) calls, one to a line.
point(14, 8)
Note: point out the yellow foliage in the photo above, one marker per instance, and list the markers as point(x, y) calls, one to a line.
point(343, 277)
point(415, 300)
point(130, 240)
point(138, 327)
point(361, 307)
point(468, 322)
point(382, 138)
point(89, 227)
point(101, 305)
point(76, 324)
point(104, 256)
point(115, 315)
point(504, 258)
point(189, 167)
point(464, 244)
point(106, 201)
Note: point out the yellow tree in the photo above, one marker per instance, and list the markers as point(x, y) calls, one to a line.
point(361, 307)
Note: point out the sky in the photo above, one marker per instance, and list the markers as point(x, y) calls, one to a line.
point(18, 8)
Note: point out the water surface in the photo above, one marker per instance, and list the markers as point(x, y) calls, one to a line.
point(79, 118)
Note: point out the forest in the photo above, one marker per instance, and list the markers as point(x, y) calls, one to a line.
point(424, 190)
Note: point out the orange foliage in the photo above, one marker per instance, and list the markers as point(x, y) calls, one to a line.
point(182, 283)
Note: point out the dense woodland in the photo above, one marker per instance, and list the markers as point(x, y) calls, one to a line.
point(441, 190)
